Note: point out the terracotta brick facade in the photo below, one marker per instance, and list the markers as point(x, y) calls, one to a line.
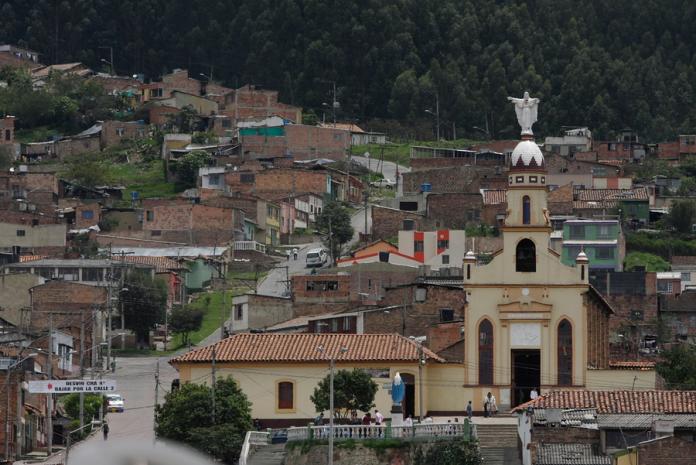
point(560, 201)
point(162, 114)
point(300, 142)
point(387, 222)
point(672, 451)
point(455, 210)
point(116, 132)
point(468, 179)
point(597, 342)
point(70, 303)
point(321, 288)
point(7, 128)
point(248, 102)
point(417, 317)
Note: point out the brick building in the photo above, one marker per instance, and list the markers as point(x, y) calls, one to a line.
point(18, 57)
point(7, 128)
point(250, 103)
point(116, 132)
point(468, 211)
point(263, 215)
point(678, 313)
point(447, 180)
point(298, 141)
point(38, 189)
point(387, 222)
point(70, 305)
point(183, 221)
point(666, 449)
point(176, 80)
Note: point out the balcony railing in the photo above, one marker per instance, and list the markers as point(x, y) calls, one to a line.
point(358, 432)
point(250, 245)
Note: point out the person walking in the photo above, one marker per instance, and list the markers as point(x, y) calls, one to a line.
point(534, 394)
point(493, 406)
point(379, 418)
point(294, 253)
point(486, 405)
point(105, 430)
point(469, 410)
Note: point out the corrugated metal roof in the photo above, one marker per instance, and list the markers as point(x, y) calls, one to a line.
point(570, 454)
point(288, 348)
point(184, 251)
point(643, 421)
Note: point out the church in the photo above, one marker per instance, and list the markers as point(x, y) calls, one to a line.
point(531, 321)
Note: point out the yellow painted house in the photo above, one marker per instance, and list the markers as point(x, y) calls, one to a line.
point(279, 372)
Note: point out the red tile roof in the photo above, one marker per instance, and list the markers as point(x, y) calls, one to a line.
point(287, 348)
point(632, 364)
point(618, 401)
point(31, 258)
point(161, 264)
point(638, 193)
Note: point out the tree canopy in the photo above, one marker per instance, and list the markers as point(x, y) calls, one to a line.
point(186, 416)
point(606, 64)
point(334, 223)
point(353, 390)
point(185, 320)
point(678, 367)
point(144, 302)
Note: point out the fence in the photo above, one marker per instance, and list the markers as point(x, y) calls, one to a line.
point(358, 432)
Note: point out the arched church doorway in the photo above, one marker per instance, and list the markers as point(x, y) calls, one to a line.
point(526, 374)
point(409, 404)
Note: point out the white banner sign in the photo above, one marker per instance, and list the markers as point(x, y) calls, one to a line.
point(66, 386)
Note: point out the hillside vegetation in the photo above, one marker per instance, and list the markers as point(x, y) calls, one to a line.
point(609, 64)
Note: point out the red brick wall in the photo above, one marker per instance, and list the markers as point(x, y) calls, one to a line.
point(560, 201)
point(81, 222)
point(455, 210)
point(301, 294)
point(597, 333)
point(307, 142)
point(468, 179)
point(444, 335)
point(290, 180)
point(418, 164)
point(7, 127)
point(264, 147)
point(419, 316)
point(160, 115)
point(672, 451)
point(131, 130)
point(387, 222)
point(179, 80)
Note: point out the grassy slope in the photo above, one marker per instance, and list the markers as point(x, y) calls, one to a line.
point(145, 178)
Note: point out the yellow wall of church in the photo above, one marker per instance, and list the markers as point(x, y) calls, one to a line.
point(607, 380)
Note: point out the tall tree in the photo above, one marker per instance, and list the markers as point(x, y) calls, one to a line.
point(144, 300)
point(334, 223)
point(353, 390)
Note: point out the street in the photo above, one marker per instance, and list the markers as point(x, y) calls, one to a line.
point(135, 377)
point(388, 168)
point(275, 283)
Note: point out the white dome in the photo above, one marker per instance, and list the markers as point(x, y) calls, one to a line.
point(525, 152)
point(582, 257)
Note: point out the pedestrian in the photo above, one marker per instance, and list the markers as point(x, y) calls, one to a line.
point(493, 406)
point(486, 405)
point(294, 253)
point(534, 394)
point(105, 430)
point(354, 418)
point(366, 419)
point(319, 420)
point(469, 410)
point(379, 418)
point(408, 421)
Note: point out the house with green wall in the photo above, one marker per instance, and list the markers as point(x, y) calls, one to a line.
point(601, 240)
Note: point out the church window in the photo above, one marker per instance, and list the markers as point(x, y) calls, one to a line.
point(286, 395)
point(485, 353)
point(565, 353)
point(526, 210)
point(525, 256)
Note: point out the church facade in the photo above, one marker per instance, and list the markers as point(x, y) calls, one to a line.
point(531, 322)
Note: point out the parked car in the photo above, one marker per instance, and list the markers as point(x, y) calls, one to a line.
point(317, 257)
point(388, 183)
point(114, 403)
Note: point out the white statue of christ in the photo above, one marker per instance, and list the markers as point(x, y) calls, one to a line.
point(526, 109)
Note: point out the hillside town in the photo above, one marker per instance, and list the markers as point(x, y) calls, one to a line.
point(533, 298)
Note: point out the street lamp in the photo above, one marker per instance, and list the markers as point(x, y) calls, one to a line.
point(111, 66)
point(485, 131)
point(332, 367)
point(436, 114)
point(11, 367)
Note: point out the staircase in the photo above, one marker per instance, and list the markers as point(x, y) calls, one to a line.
point(498, 443)
point(272, 454)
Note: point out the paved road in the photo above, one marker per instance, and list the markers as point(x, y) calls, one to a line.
point(388, 170)
point(275, 282)
point(135, 377)
point(358, 222)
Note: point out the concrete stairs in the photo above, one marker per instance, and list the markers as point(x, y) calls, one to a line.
point(498, 444)
point(273, 454)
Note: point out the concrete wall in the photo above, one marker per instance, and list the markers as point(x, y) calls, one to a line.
point(603, 380)
point(43, 235)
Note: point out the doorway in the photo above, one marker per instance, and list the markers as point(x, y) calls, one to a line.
point(409, 403)
point(526, 374)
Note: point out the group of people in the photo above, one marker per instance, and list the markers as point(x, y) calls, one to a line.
point(366, 419)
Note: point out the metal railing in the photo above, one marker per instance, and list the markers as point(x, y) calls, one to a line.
point(250, 245)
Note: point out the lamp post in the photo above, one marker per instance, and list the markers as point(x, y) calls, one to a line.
point(332, 368)
point(111, 66)
point(436, 114)
point(7, 407)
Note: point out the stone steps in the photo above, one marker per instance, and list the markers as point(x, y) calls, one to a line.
point(500, 456)
point(497, 436)
point(268, 455)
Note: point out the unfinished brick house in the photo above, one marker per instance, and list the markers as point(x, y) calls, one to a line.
point(7, 127)
point(252, 103)
point(297, 141)
point(183, 221)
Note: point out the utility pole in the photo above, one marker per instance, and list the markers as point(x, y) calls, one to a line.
point(420, 381)
point(332, 365)
point(108, 316)
point(157, 382)
point(331, 251)
point(437, 114)
point(49, 399)
point(366, 196)
point(213, 385)
point(82, 366)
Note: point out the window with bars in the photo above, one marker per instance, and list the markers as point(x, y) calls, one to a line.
point(565, 353)
point(485, 353)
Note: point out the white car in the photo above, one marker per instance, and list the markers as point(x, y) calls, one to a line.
point(317, 257)
point(114, 403)
point(388, 183)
